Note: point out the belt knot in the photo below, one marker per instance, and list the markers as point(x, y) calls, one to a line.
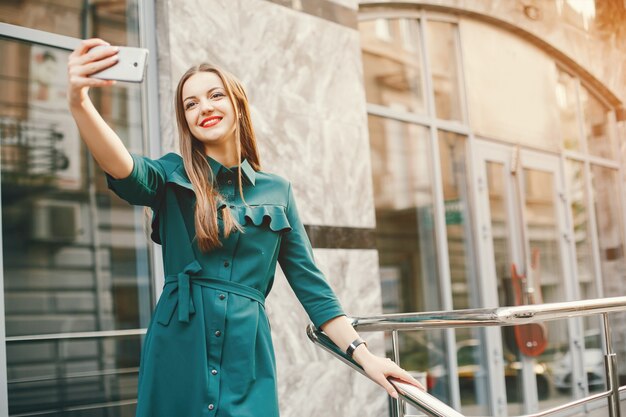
point(183, 299)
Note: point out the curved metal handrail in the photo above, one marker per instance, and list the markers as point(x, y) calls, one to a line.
point(430, 404)
point(501, 316)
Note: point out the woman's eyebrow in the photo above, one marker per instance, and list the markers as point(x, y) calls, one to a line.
point(208, 92)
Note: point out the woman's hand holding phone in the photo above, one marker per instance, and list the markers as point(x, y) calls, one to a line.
point(83, 62)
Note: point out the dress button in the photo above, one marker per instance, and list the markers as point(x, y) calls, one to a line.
point(222, 296)
point(226, 264)
point(214, 372)
point(218, 333)
point(229, 182)
point(211, 406)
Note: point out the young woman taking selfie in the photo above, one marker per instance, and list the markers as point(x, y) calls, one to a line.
point(223, 223)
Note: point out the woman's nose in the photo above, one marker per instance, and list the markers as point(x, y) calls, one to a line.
point(206, 105)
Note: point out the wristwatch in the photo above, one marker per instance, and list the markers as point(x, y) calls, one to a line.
point(353, 346)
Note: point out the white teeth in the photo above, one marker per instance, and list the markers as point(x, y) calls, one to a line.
point(210, 122)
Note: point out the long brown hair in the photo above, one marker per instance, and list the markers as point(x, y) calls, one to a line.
point(198, 168)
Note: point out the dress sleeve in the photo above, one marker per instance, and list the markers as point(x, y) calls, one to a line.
point(143, 186)
point(307, 281)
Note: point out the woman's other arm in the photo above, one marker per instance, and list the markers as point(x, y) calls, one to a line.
point(341, 332)
point(137, 179)
point(321, 304)
point(106, 147)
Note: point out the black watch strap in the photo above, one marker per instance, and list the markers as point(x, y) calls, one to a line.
point(353, 346)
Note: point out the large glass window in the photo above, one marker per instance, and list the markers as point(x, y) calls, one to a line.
point(566, 98)
point(596, 125)
point(406, 239)
point(611, 244)
point(75, 257)
point(471, 361)
point(393, 71)
point(578, 199)
point(443, 60)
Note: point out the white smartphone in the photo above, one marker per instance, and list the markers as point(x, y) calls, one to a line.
point(131, 66)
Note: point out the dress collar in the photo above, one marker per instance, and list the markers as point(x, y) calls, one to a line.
point(248, 173)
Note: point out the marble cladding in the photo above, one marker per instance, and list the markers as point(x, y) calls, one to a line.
point(304, 79)
point(603, 56)
point(310, 381)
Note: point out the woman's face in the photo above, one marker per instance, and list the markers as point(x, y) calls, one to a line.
point(208, 110)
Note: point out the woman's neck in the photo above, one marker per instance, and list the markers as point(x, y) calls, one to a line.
point(225, 155)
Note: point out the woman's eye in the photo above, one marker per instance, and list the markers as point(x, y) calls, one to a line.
point(189, 104)
point(217, 95)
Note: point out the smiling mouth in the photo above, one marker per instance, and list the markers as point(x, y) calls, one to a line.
point(210, 122)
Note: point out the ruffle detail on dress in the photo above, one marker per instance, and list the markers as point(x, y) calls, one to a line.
point(274, 216)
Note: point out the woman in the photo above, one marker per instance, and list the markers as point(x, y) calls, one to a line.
point(223, 224)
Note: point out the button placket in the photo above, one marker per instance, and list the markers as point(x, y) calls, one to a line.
point(215, 330)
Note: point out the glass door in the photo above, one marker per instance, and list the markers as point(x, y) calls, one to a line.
point(524, 245)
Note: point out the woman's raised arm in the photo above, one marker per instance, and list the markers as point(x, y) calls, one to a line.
point(106, 147)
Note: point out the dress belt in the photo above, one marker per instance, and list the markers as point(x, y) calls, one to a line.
point(181, 284)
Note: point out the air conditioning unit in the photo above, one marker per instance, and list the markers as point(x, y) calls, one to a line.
point(56, 221)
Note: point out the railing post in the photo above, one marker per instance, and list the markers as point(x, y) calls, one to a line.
point(395, 350)
point(610, 365)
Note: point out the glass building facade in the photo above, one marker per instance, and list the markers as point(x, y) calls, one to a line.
point(505, 164)
point(493, 159)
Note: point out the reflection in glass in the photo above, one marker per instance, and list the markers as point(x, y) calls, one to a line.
point(543, 234)
point(611, 244)
point(75, 256)
point(405, 238)
point(592, 356)
point(568, 110)
point(442, 55)
point(392, 63)
point(546, 279)
point(496, 176)
point(114, 21)
point(472, 369)
point(52, 375)
point(496, 186)
point(575, 175)
point(596, 125)
point(605, 188)
point(539, 202)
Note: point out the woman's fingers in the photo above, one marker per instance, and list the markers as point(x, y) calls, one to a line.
point(84, 61)
point(85, 45)
point(96, 54)
point(382, 380)
point(95, 66)
point(405, 376)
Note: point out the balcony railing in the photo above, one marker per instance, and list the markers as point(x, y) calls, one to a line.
point(503, 316)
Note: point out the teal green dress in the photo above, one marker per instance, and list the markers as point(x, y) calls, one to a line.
point(208, 349)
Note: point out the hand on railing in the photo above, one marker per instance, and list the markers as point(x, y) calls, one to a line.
point(379, 369)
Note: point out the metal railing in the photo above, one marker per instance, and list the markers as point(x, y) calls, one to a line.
point(503, 316)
